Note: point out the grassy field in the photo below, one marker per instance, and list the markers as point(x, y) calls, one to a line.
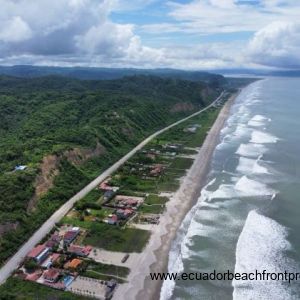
point(155, 199)
point(207, 121)
point(18, 289)
point(152, 209)
point(105, 272)
point(108, 269)
point(154, 204)
point(110, 237)
point(99, 276)
point(181, 163)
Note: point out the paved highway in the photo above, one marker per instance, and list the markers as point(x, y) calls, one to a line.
point(14, 262)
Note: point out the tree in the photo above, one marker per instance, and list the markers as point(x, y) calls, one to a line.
point(31, 265)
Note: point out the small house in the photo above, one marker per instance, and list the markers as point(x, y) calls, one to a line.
point(124, 214)
point(71, 235)
point(39, 253)
point(112, 220)
point(51, 275)
point(108, 195)
point(53, 241)
point(73, 264)
point(80, 250)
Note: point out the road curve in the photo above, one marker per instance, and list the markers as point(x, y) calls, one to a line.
point(14, 262)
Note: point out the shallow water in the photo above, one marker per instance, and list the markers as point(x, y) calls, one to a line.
point(247, 217)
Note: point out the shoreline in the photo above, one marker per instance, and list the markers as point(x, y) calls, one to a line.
point(154, 258)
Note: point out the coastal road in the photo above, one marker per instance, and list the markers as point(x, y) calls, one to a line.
point(14, 262)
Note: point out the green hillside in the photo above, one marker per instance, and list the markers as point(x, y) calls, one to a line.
point(67, 130)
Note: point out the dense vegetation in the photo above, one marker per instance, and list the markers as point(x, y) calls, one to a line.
point(106, 73)
point(18, 289)
point(53, 115)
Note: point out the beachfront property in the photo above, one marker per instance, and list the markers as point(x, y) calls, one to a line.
point(108, 195)
point(112, 219)
point(105, 186)
point(73, 264)
point(83, 251)
point(149, 219)
point(156, 170)
point(61, 270)
point(51, 260)
point(123, 201)
point(192, 129)
point(39, 253)
point(52, 275)
point(53, 241)
point(70, 236)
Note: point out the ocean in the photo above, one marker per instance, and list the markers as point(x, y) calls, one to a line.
point(248, 215)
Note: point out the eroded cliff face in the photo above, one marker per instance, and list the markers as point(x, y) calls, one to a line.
point(205, 95)
point(49, 169)
point(78, 156)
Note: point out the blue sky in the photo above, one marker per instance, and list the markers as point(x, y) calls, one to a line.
point(186, 34)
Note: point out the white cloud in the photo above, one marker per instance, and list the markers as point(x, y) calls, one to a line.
point(225, 16)
point(106, 38)
point(15, 30)
point(276, 45)
point(82, 32)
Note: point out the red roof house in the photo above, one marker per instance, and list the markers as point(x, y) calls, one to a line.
point(79, 250)
point(39, 253)
point(51, 275)
point(34, 276)
point(70, 235)
point(36, 251)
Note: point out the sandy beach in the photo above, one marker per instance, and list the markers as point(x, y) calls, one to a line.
point(155, 256)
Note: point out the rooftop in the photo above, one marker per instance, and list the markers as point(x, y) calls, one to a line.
point(74, 263)
point(36, 251)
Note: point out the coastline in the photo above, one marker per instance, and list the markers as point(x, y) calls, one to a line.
point(154, 258)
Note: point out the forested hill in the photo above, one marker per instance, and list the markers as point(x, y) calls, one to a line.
point(28, 71)
point(67, 130)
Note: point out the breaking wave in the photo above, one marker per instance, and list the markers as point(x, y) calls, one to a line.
point(260, 137)
point(251, 166)
point(262, 245)
point(251, 150)
point(258, 120)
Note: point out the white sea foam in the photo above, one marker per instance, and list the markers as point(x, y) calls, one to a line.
point(180, 250)
point(259, 169)
point(261, 246)
point(250, 187)
point(249, 166)
point(258, 120)
point(224, 191)
point(251, 150)
point(240, 132)
point(243, 187)
point(260, 137)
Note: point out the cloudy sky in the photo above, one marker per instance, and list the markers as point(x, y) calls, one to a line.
point(198, 34)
